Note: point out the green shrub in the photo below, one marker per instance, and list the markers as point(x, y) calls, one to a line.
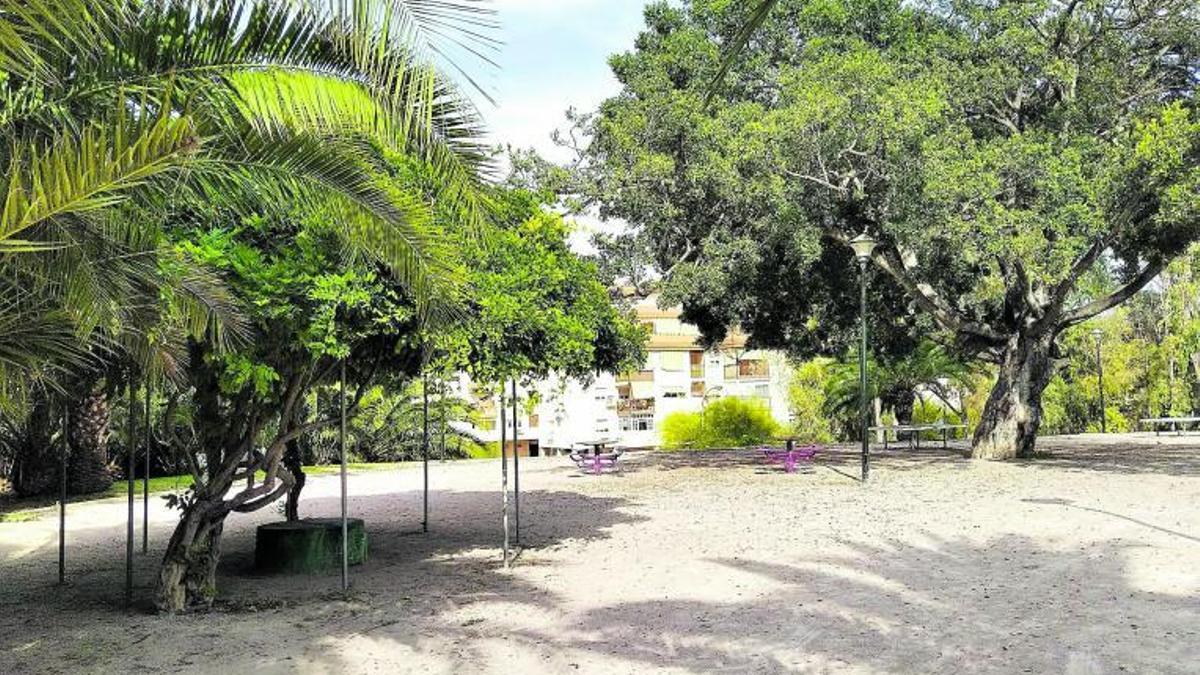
point(483, 450)
point(724, 423)
point(806, 398)
point(931, 411)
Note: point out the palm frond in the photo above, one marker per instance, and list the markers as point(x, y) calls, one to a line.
point(91, 172)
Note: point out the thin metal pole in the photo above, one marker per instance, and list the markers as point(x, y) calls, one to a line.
point(342, 447)
point(425, 450)
point(129, 467)
point(442, 418)
point(1100, 373)
point(62, 497)
point(862, 373)
point(504, 473)
point(516, 468)
point(146, 477)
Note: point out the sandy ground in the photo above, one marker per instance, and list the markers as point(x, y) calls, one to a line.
point(1086, 561)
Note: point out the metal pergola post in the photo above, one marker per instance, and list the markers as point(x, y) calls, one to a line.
point(504, 473)
point(342, 448)
point(62, 497)
point(425, 451)
point(442, 419)
point(129, 467)
point(516, 468)
point(146, 477)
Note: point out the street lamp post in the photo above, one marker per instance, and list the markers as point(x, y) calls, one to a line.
point(1099, 336)
point(863, 246)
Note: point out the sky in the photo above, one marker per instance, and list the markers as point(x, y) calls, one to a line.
point(555, 55)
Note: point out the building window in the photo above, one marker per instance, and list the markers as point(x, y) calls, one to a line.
point(674, 362)
point(748, 369)
point(698, 389)
point(637, 376)
point(697, 363)
point(637, 423)
point(533, 420)
point(631, 406)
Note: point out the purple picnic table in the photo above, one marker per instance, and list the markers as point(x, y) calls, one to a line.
point(598, 461)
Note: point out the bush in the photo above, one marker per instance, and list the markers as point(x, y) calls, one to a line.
point(931, 411)
point(806, 397)
point(725, 423)
point(489, 450)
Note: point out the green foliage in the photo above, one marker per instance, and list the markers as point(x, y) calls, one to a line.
point(535, 307)
point(1149, 348)
point(484, 451)
point(1004, 154)
point(724, 423)
point(120, 119)
point(806, 397)
point(930, 411)
point(929, 368)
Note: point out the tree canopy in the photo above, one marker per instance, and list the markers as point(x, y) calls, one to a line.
point(1005, 156)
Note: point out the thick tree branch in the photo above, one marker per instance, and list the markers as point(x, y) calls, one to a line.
point(1062, 290)
point(1087, 311)
point(891, 261)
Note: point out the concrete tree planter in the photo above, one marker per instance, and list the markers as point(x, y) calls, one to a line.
point(309, 546)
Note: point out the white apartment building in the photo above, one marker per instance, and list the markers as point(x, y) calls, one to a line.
point(629, 409)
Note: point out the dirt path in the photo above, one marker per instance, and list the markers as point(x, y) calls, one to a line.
point(1087, 561)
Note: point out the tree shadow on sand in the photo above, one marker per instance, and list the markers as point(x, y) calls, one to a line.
point(950, 607)
point(406, 577)
point(844, 459)
point(1122, 454)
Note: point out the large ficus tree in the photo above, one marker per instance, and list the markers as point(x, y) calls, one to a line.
point(1002, 154)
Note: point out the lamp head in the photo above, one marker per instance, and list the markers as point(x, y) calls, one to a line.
point(863, 246)
point(1097, 333)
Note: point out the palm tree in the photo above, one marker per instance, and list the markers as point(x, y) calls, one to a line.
point(114, 109)
point(119, 115)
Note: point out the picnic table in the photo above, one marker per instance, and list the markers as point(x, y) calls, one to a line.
point(598, 444)
point(1176, 423)
point(599, 461)
point(914, 432)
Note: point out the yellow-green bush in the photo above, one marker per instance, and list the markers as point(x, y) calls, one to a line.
point(725, 423)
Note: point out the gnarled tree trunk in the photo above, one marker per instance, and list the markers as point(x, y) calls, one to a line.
point(1009, 424)
point(187, 578)
point(293, 461)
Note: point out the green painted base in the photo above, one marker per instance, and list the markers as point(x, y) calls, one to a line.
point(308, 546)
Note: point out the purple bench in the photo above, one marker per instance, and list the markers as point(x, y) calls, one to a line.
point(790, 457)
